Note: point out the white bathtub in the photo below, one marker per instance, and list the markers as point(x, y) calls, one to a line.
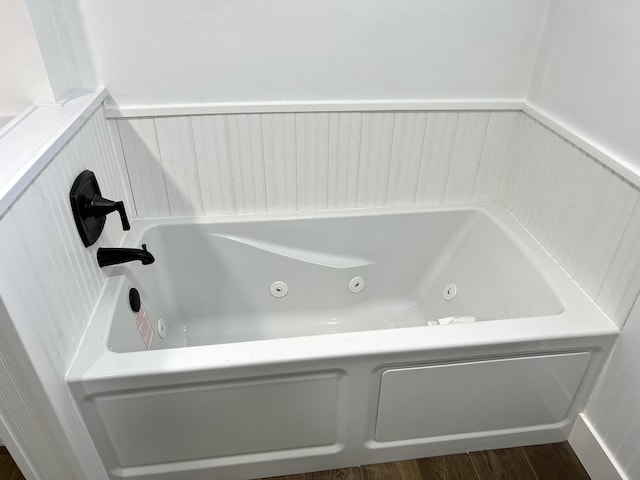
point(249, 385)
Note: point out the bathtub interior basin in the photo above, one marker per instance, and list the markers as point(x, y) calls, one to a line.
point(212, 282)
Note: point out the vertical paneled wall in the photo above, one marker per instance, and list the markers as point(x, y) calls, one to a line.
point(584, 214)
point(52, 281)
point(259, 163)
point(50, 286)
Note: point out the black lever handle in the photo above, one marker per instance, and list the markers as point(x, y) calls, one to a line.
point(99, 207)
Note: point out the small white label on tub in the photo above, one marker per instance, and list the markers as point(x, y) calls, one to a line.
point(144, 327)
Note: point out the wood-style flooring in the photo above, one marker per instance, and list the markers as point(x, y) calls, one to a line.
point(554, 461)
point(8, 468)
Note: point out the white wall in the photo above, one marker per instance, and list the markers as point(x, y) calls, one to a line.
point(23, 78)
point(194, 51)
point(613, 410)
point(588, 72)
point(64, 48)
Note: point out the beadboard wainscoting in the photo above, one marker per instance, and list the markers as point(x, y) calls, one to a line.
point(288, 162)
point(42, 249)
point(50, 284)
point(584, 214)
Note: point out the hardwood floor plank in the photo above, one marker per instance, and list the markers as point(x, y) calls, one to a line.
point(7, 466)
point(286, 477)
point(432, 468)
point(450, 467)
point(17, 475)
point(541, 462)
point(503, 464)
point(391, 471)
point(555, 461)
point(341, 474)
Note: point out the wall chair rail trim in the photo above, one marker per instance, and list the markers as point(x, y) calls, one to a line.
point(28, 143)
point(591, 148)
point(136, 111)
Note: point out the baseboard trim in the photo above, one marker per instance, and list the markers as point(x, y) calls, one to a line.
point(593, 453)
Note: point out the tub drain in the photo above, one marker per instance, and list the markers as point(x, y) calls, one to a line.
point(279, 289)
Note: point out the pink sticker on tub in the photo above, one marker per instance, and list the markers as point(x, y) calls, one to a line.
point(144, 327)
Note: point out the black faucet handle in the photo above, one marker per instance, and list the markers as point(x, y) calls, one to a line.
point(123, 215)
point(100, 206)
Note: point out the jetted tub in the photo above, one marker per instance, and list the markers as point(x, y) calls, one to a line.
point(293, 343)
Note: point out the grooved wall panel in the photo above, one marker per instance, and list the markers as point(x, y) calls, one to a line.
point(147, 178)
point(212, 157)
point(179, 164)
point(244, 135)
point(465, 158)
point(496, 151)
point(280, 169)
point(287, 162)
point(345, 134)
point(440, 135)
point(375, 158)
point(52, 280)
point(583, 213)
point(406, 157)
point(312, 156)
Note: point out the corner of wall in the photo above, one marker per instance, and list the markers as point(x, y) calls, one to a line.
point(593, 453)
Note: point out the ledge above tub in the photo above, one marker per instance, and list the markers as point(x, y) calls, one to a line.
point(32, 139)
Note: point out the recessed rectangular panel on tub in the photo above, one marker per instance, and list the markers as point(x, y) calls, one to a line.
point(464, 398)
point(164, 425)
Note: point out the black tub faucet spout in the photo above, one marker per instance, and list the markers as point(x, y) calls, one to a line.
point(113, 256)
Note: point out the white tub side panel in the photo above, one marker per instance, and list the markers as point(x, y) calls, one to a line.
point(584, 214)
point(468, 398)
point(221, 419)
point(257, 163)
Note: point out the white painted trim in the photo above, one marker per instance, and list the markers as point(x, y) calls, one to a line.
point(115, 111)
point(593, 453)
point(591, 148)
point(32, 139)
